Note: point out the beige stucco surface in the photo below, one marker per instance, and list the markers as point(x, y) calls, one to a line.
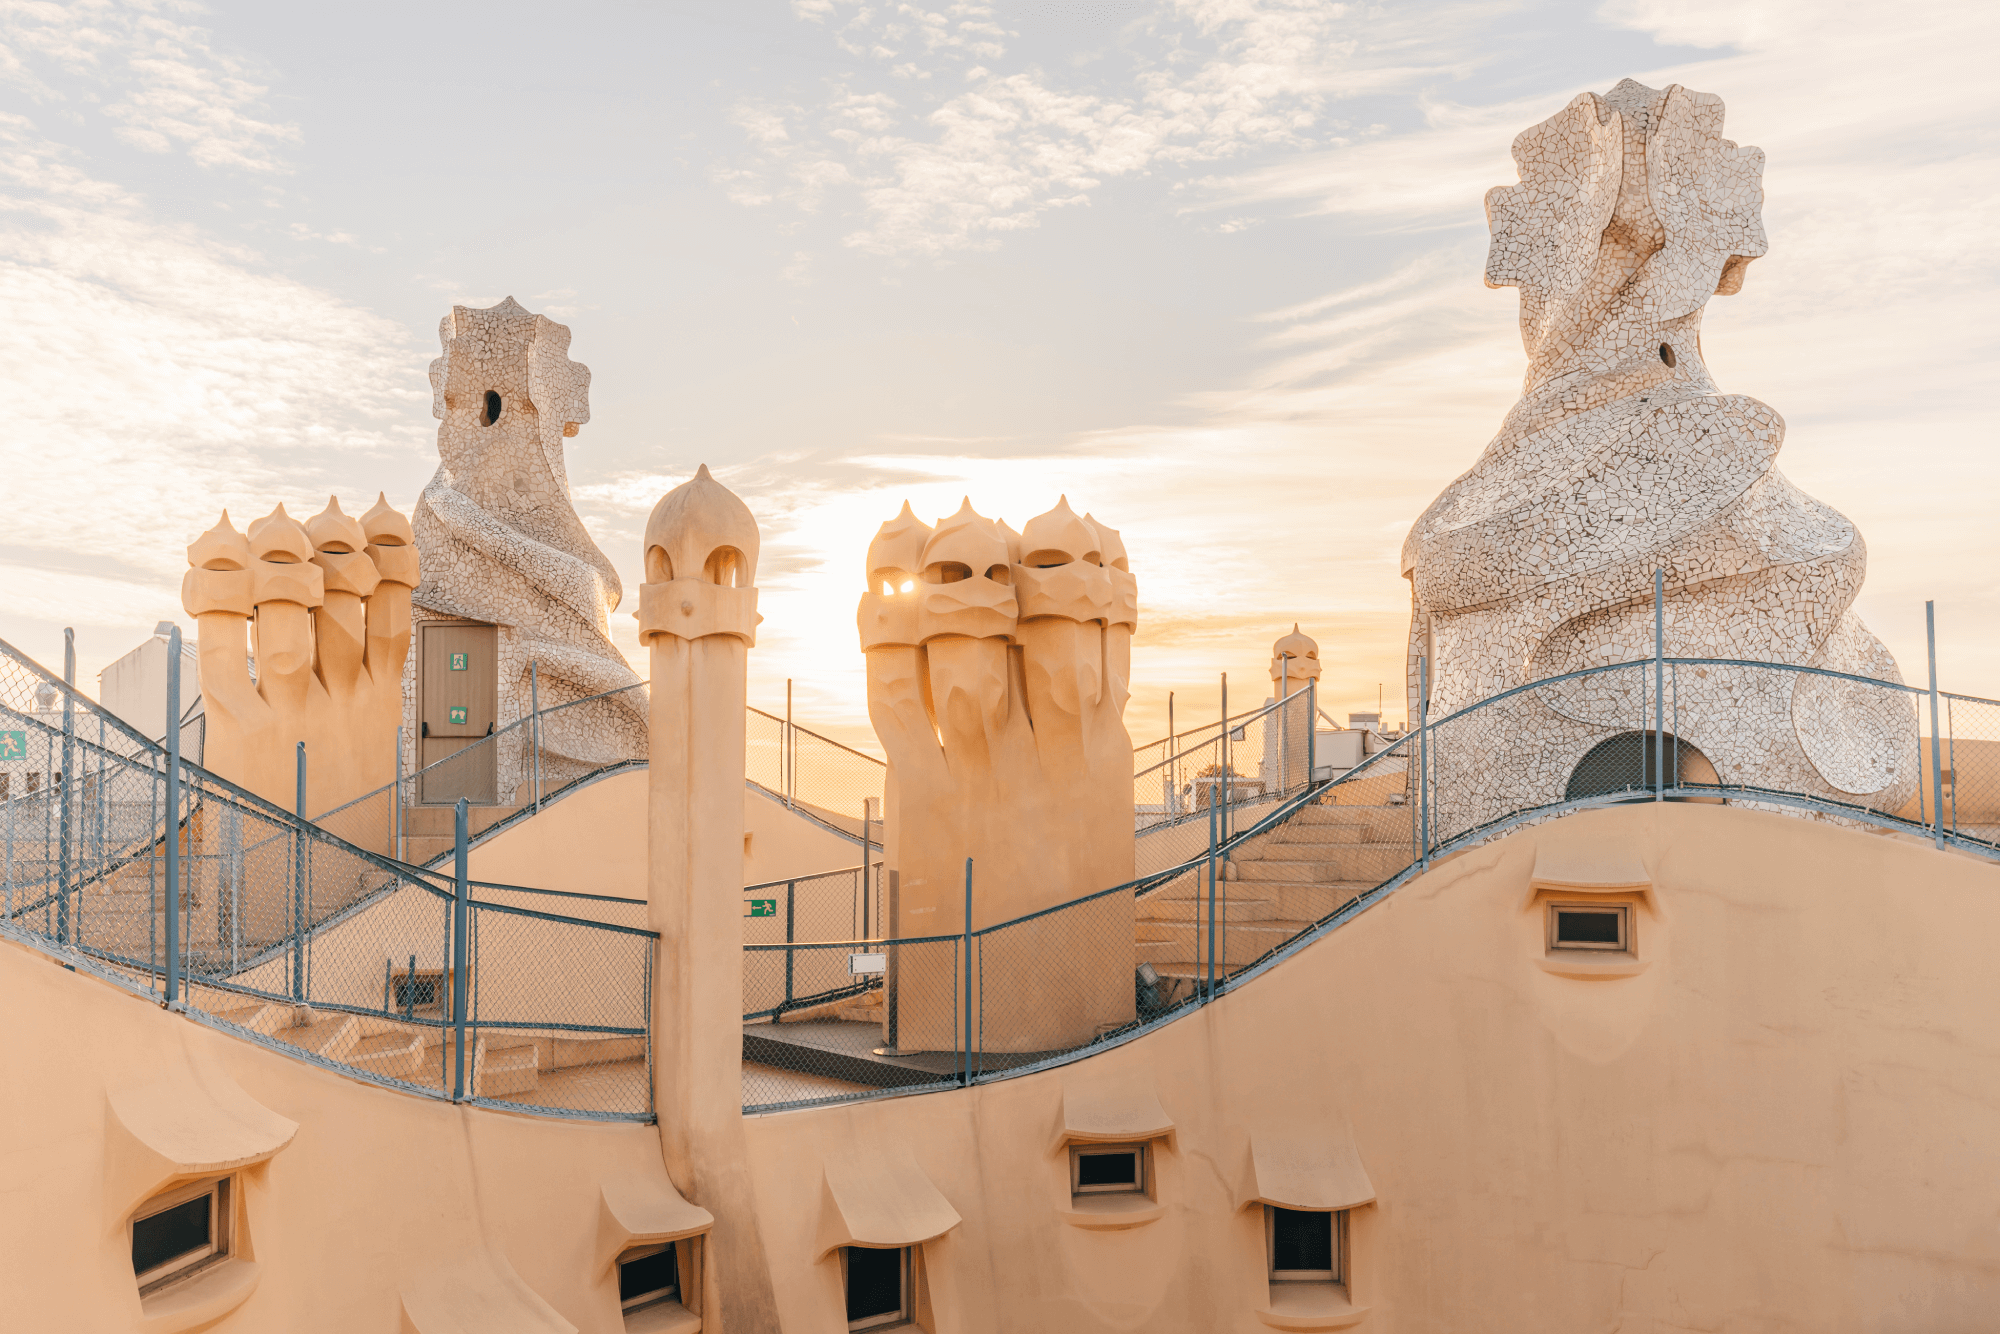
point(375, 1193)
point(1788, 1120)
point(593, 841)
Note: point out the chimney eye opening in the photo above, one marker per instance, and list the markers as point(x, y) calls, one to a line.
point(492, 410)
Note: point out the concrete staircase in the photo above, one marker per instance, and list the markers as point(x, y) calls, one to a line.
point(1277, 885)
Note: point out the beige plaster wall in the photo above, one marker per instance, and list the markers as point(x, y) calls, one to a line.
point(593, 841)
point(377, 1191)
point(1789, 1120)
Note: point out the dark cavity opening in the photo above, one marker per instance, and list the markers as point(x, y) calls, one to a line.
point(1667, 353)
point(493, 406)
point(1574, 927)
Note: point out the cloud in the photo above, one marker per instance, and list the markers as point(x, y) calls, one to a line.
point(162, 83)
point(156, 376)
point(939, 172)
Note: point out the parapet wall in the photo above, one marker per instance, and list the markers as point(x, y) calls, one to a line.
point(1780, 1114)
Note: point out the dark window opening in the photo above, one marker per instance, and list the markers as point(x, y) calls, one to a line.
point(877, 1285)
point(172, 1233)
point(1667, 353)
point(184, 1231)
point(1586, 928)
point(947, 572)
point(493, 406)
point(1302, 1242)
point(419, 993)
point(649, 1276)
point(1107, 1169)
point(1579, 927)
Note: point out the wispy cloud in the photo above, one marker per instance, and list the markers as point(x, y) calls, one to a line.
point(162, 82)
point(934, 171)
point(157, 375)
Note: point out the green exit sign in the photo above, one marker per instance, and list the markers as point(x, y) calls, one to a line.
point(762, 908)
point(458, 713)
point(459, 663)
point(13, 745)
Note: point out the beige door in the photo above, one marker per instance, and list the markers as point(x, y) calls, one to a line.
point(458, 701)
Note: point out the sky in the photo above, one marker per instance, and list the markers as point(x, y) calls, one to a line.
point(1210, 268)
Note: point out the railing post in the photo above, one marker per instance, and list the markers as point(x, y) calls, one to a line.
point(299, 886)
point(535, 733)
point(64, 791)
point(1424, 761)
point(790, 749)
point(1228, 770)
point(173, 823)
point(1173, 770)
point(1312, 731)
point(791, 934)
point(1659, 686)
point(458, 952)
point(396, 820)
point(1937, 762)
point(1208, 974)
point(968, 970)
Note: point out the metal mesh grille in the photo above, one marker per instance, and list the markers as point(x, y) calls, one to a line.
point(299, 938)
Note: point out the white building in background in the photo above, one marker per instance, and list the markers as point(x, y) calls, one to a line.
point(135, 686)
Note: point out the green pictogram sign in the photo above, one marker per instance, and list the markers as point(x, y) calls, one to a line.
point(459, 663)
point(762, 908)
point(13, 745)
point(458, 713)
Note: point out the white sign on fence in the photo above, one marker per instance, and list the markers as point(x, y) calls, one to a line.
point(866, 965)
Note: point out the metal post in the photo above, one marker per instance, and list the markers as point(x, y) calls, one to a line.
point(867, 814)
point(1659, 686)
point(968, 970)
point(1173, 776)
point(1937, 771)
point(1208, 978)
point(1227, 771)
point(299, 887)
point(790, 750)
point(64, 790)
point(791, 933)
point(535, 731)
point(1312, 731)
point(458, 910)
point(173, 824)
point(1424, 760)
point(396, 827)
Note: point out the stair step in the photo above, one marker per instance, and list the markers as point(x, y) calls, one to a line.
point(396, 1055)
point(507, 1070)
point(1184, 909)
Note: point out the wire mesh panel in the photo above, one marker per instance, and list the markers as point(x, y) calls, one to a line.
point(895, 1024)
point(552, 1019)
point(835, 905)
point(194, 890)
point(1968, 786)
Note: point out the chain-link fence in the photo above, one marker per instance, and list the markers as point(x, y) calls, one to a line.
point(834, 784)
point(844, 905)
point(210, 898)
point(1243, 859)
